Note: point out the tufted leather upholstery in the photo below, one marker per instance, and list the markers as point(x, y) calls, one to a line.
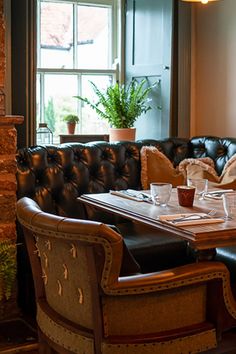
point(85, 306)
point(55, 176)
point(219, 149)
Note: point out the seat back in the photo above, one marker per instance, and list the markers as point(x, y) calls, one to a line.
point(84, 306)
point(72, 262)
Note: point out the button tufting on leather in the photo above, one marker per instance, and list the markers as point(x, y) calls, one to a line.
point(222, 150)
point(104, 155)
point(69, 171)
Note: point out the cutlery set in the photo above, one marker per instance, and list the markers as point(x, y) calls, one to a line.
point(191, 217)
point(140, 196)
point(133, 194)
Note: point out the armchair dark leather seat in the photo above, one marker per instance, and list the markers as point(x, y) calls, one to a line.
point(155, 250)
point(85, 306)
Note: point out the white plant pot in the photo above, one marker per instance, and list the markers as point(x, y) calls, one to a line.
point(124, 134)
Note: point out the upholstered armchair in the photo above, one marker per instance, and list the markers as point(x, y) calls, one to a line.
point(85, 306)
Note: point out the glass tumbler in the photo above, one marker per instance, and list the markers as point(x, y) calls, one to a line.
point(201, 185)
point(229, 203)
point(160, 193)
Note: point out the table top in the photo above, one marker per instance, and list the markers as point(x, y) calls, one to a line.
point(201, 236)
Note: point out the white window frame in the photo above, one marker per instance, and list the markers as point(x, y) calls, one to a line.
point(114, 61)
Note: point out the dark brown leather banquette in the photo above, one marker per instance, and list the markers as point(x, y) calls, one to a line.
point(54, 176)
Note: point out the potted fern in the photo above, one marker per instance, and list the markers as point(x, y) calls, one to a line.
point(7, 268)
point(71, 120)
point(121, 105)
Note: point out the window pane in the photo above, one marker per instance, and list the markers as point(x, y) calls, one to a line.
point(91, 121)
point(56, 35)
point(59, 101)
point(72, 35)
point(93, 37)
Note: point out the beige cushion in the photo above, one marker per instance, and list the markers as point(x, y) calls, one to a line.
point(193, 168)
point(156, 167)
point(199, 168)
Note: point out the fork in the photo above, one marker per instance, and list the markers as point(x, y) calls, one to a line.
point(195, 216)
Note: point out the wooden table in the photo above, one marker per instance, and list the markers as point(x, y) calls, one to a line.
point(202, 238)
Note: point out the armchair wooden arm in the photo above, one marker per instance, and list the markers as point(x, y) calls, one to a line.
point(166, 279)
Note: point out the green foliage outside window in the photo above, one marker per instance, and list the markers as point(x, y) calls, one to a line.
point(50, 116)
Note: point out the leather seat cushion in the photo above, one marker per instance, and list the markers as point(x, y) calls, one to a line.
point(227, 255)
point(155, 250)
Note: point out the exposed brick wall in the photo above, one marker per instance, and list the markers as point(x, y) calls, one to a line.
point(2, 61)
point(8, 143)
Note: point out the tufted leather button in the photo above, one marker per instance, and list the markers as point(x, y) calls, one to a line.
point(128, 154)
point(222, 150)
point(104, 155)
point(202, 148)
point(51, 158)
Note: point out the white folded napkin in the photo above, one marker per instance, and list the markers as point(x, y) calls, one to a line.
point(189, 219)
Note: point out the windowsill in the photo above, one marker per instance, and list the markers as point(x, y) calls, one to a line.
point(82, 138)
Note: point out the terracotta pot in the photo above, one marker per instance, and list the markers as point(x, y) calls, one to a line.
point(124, 134)
point(71, 128)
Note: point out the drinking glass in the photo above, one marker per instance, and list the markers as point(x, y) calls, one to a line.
point(229, 203)
point(201, 185)
point(160, 193)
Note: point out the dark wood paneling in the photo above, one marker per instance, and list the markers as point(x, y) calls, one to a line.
point(23, 16)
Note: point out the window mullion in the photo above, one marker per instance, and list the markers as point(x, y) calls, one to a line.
point(79, 102)
point(84, 2)
point(75, 36)
point(77, 71)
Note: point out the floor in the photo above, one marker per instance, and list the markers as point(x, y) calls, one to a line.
point(17, 336)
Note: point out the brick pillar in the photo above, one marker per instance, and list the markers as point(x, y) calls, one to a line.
point(2, 61)
point(8, 145)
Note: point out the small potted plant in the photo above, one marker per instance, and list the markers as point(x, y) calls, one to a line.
point(71, 120)
point(121, 105)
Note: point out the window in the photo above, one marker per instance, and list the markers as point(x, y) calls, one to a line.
point(76, 44)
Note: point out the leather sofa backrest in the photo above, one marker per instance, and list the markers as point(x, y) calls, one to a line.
point(54, 176)
point(219, 149)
